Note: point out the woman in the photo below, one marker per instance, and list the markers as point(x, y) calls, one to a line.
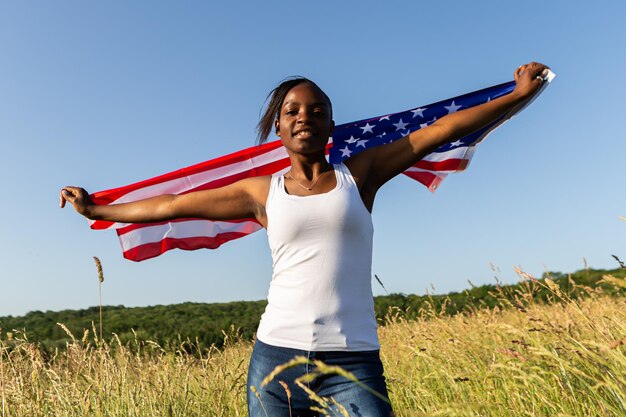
point(319, 227)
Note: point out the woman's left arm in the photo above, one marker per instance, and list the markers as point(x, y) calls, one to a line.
point(378, 165)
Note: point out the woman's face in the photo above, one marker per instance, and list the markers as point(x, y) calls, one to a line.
point(305, 121)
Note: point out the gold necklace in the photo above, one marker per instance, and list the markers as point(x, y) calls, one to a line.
point(310, 188)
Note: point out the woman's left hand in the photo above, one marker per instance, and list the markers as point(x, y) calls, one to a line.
point(529, 78)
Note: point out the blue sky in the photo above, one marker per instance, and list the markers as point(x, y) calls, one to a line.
point(105, 94)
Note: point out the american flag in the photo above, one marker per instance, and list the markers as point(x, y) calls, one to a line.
point(145, 241)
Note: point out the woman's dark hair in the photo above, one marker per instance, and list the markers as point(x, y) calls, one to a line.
point(276, 98)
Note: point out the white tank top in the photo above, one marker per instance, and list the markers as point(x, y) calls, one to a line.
point(320, 296)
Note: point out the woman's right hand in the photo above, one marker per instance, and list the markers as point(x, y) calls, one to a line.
point(78, 198)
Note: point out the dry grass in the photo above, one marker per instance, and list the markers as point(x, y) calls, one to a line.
point(563, 359)
point(566, 358)
point(111, 379)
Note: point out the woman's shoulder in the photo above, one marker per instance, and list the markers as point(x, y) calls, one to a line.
point(256, 183)
point(257, 187)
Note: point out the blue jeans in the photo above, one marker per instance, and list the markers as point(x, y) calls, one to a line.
point(272, 401)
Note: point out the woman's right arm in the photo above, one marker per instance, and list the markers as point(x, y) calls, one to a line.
point(243, 199)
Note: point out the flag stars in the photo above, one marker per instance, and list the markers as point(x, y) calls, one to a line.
point(423, 125)
point(362, 143)
point(351, 140)
point(400, 125)
point(456, 143)
point(418, 112)
point(452, 108)
point(367, 128)
point(345, 151)
point(383, 118)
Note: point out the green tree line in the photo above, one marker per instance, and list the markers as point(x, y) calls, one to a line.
point(207, 324)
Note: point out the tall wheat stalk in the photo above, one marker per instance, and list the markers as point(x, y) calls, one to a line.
point(2, 370)
point(100, 281)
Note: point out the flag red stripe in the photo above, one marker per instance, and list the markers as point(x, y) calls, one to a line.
point(427, 178)
point(447, 165)
point(267, 169)
point(151, 250)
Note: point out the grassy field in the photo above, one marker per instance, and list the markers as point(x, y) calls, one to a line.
point(561, 358)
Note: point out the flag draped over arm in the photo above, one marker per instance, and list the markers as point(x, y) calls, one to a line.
point(147, 240)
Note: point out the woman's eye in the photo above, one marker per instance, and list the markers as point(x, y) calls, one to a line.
point(291, 112)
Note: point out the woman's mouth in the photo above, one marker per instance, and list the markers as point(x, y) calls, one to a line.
point(305, 133)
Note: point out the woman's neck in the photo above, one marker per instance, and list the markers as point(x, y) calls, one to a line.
point(309, 168)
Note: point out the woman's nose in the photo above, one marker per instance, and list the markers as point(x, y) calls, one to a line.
point(304, 117)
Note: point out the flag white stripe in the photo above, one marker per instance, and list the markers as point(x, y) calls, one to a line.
point(456, 153)
point(413, 169)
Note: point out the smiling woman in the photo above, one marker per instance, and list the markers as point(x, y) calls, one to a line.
point(319, 227)
point(306, 120)
point(276, 100)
